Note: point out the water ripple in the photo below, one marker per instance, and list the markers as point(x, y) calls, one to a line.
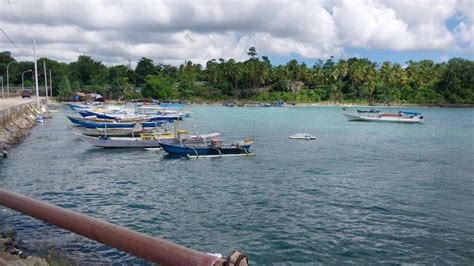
point(360, 194)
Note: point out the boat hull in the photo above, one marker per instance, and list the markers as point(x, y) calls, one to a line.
point(111, 132)
point(170, 118)
point(392, 119)
point(119, 142)
point(179, 150)
point(89, 124)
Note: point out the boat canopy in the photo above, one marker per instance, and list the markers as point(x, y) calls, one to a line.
point(409, 113)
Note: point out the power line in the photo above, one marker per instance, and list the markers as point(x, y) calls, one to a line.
point(12, 42)
point(18, 19)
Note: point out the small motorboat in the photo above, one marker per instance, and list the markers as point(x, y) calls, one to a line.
point(304, 136)
point(400, 117)
point(208, 150)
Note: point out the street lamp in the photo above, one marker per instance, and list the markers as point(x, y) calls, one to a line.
point(22, 79)
point(8, 78)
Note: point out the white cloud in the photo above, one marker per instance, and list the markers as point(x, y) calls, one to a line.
point(174, 31)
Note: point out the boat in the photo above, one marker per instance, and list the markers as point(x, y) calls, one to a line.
point(130, 117)
point(40, 119)
point(183, 138)
point(370, 111)
point(229, 104)
point(279, 103)
point(112, 132)
point(302, 136)
point(214, 148)
point(382, 117)
point(144, 141)
point(91, 124)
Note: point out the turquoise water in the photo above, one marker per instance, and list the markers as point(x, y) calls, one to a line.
point(360, 193)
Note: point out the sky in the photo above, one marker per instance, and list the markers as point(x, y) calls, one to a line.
point(171, 32)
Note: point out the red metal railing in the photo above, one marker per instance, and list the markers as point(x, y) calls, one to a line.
point(141, 245)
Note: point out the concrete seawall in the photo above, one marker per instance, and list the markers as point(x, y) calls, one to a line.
point(17, 117)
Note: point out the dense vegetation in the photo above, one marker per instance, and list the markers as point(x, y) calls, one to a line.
point(352, 80)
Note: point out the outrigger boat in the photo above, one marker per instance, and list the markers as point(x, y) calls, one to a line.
point(93, 124)
point(208, 150)
point(113, 132)
point(144, 141)
point(400, 117)
point(128, 117)
point(151, 140)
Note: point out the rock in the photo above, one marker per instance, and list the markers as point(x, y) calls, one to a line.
point(6, 243)
point(9, 234)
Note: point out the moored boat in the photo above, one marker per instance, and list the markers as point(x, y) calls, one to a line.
point(400, 117)
point(91, 124)
point(130, 117)
point(112, 132)
point(144, 141)
point(214, 148)
point(370, 111)
point(305, 136)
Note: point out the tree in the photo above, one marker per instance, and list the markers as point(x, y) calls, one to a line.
point(158, 87)
point(117, 86)
point(144, 68)
point(88, 71)
point(457, 81)
point(252, 53)
point(64, 89)
point(233, 73)
point(76, 86)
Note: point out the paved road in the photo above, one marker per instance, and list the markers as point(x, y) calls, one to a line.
point(9, 102)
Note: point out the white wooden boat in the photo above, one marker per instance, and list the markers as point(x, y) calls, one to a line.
point(112, 132)
point(151, 141)
point(394, 118)
point(305, 136)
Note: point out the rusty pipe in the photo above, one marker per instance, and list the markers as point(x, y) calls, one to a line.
point(138, 244)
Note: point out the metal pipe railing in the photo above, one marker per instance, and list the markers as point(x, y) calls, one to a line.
point(138, 244)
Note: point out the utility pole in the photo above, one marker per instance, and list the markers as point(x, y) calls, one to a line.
point(51, 84)
point(36, 75)
point(8, 78)
point(45, 80)
point(3, 90)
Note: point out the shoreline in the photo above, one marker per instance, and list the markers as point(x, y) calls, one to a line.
point(350, 105)
point(16, 123)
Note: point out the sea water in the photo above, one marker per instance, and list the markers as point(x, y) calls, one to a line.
point(360, 193)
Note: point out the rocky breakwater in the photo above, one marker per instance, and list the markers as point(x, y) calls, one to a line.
point(11, 253)
point(15, 123)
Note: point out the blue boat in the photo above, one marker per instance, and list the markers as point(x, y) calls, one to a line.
point(90, 124)
point(409, 113)
point(85, 113)
point(212, 149)
point(172, 105)
point(77, 107)
point(170, 118)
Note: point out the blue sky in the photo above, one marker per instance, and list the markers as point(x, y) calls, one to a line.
point(380, 56)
